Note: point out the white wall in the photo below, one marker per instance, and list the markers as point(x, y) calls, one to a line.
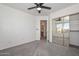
point(74, 27)
point(16, 27)
point(66, 11)
point(38, 18)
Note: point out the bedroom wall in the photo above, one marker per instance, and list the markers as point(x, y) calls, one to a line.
point(16, 27)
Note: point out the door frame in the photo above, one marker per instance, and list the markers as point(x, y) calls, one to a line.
point(45, 30)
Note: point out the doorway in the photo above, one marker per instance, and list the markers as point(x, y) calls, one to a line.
point(43, 29)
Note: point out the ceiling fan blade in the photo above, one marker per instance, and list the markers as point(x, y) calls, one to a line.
point(32, 7)
point(41, 4)
point(36, 4)
point(45, 7)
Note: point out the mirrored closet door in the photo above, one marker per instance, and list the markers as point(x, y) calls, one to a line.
point(61, 31)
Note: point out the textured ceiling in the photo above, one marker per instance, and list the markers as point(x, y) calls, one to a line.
point(24, 6)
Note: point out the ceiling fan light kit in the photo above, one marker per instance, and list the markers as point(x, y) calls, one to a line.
point(38, 8)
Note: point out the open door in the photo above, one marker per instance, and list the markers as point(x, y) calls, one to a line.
point(43, 29)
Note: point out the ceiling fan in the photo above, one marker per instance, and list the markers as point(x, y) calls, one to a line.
point(39, 6)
